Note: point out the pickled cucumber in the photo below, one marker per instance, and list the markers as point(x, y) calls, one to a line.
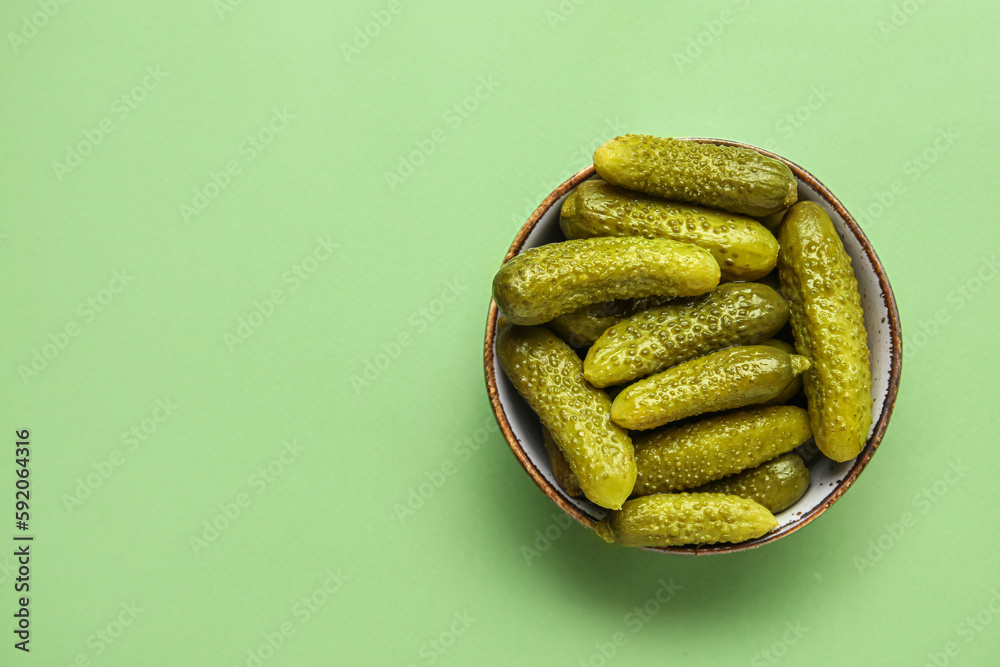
point(829, 326)
point(773, 221)
point(582, 327)
point(738, 180)
point(545, 282)
point(689, 455)
point(776, 485)
point(676, 519)
point(549, 375)
point(743, 247)
point(560, 466)
point(795, 385)
point(729, 378)
point(658, 338)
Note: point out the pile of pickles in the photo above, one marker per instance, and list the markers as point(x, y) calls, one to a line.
point(651, 343)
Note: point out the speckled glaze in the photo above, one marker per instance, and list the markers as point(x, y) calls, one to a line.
point(775, 485)
point(830, 480)
point(658, 338)
point(676, 519)
point(721, 176)
point(682, 457)
point(543, 283)
point(743, 247)
point(829, 327)
point(721, 380)
point(548, 374)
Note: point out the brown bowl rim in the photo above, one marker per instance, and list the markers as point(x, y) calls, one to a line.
point(895, 367)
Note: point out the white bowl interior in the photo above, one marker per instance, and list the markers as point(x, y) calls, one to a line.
point(825, 474)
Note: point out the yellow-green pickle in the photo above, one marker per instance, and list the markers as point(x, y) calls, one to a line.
point(582, 327)
point(829, 327)
point(549, 375)
point(545, 282)
point(658, 338)
point(686, 456)
point(676, 519)
point(722, 380)
point(738, 180)
point(743, 247)
point(793, 387)
point(560, 466)
point(776, 485)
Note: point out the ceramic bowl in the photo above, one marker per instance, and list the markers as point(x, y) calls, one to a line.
point(522, 429)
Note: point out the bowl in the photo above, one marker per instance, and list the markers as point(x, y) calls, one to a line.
point(829, 480)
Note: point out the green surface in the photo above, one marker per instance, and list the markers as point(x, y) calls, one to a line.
point(316, 141)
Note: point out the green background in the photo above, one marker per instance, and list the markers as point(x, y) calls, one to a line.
point(902, 127)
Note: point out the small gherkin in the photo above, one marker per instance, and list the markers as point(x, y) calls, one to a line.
point(682, 457)
point(742, 246)
point(793, 387)
point(564, 476)
point(676, 519)
point(730, 378)
point(548, 374)
point(661, 337)
point(550, 280)
point(580, 328)
point(776, 485)
point(738, 180)
point(829, 326)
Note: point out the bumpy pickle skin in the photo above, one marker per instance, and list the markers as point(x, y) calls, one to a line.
point(743, 247)
point(829, 327)
point(565, 478)
point(738, 180)
point(687, 456)
point(658, 338)
point(795, 386)
point(549, 376)
point(545, 282)
point(722, 380)
point(582, 327)
point(677, 519)
point(776, 485)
